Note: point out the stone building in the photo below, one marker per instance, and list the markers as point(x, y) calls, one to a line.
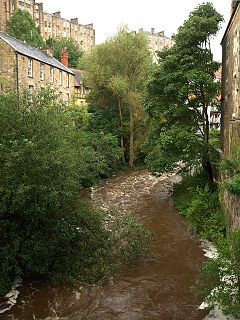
point(25, 67)
point(231, 77)
point(231, 106)
point(157, 41)
point(80, 89)
point(51, 25)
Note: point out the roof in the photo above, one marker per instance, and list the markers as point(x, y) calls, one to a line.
point(231, 19)
point(77, 77)
point(32, 52)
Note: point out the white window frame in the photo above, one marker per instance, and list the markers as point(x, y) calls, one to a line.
point(51, 74)
point(30, 67)
point(68, 80)
point(60, 77)
point(42, 69)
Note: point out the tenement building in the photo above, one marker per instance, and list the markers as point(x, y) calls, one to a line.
point(231, 107)
point(157, 41)
point(26, 67)
point(231, 79)
point(51, 25)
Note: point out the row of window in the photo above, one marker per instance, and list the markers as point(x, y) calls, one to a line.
point(42, 73)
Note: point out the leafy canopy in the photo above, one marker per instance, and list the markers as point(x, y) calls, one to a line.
point(74, 50)
point(116, 72)
point(22, 27)
point(180, 91)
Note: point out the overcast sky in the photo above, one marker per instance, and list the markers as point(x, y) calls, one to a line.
point(108, 15)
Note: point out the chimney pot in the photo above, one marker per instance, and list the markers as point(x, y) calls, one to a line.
point(64, 57)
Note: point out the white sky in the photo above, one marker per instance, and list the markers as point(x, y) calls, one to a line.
point(108, 15)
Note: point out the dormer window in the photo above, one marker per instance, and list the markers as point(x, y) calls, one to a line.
point(30, 68)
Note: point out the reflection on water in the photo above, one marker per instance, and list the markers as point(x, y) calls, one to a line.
point(156, 288)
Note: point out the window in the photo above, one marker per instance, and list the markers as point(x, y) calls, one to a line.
point(30, 89)
point(68, 97)
point(30, 68)
point(42, 71)
point(67, 80)
point(60, 78)
point(51, 75)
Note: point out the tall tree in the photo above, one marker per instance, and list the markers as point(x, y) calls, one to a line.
point(116, 72)
point(74, 50)
point(22, 27)
point(180, 93)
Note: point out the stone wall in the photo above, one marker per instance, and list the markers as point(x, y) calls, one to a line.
point(230, 125)
point(230, 201)
point(8, 67)
point(232, 209)
point(10, 74)
point(230, 78)
point(65, 88)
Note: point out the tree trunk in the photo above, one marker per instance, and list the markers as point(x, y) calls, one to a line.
point(121, 127)
point(131, 140)
point(206, 158)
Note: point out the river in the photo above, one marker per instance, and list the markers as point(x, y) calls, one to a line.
point(156, 288)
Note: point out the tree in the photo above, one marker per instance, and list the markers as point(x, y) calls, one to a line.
point(74, 50)
point(116, 72)
point(180, 92)
point(47, 231)
point(22, 27)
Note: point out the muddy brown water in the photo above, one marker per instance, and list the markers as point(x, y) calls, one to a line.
point(156, 288)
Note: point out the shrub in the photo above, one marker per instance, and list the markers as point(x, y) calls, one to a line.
point(220, 277)
point(46, 231)
point(200, 205)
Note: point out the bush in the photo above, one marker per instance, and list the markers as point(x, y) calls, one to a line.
point(220, 277)
point(231, 170)
point(46, 231)
point(97, 156)
point(200, 205)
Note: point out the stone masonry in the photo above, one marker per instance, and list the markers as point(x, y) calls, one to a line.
point(51, 25)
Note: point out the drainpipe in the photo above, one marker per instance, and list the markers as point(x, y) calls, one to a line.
point(17, 70)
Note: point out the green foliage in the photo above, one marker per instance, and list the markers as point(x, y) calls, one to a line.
point(220, 277)
point(230, 168)
point(116, 72)
point(179, 93)
point(130, 236)
point(22, 26)
point(46, 231)
point(75, 52)
point(200, 205)
point(233, 185)
point(97, 155)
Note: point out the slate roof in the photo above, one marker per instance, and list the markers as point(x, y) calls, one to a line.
point(32, 52)
point(77, 77)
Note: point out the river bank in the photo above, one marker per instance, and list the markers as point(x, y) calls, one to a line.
point(155, 287)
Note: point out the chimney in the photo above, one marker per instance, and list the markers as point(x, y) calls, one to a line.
point(64, 57)
point(74, 20)
point(152, 30)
